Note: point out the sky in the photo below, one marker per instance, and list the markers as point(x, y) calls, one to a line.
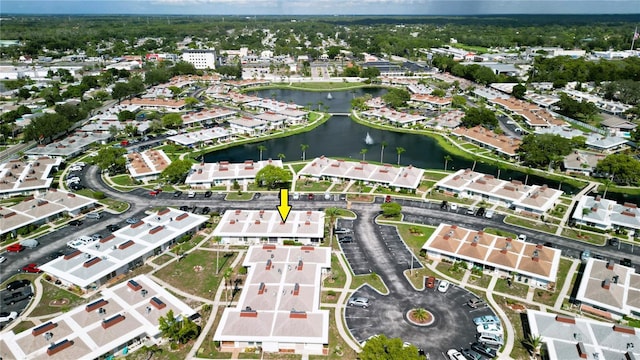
point(319, 7)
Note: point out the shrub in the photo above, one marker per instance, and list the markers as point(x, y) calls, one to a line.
point(98, 195)
point(288, 242)
point(242, 271)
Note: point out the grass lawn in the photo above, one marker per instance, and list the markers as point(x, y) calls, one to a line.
point(339, 187)
point(516, 289)
point(338, 349)
point(327, 85)
point(547, 297)
point(447, 269)
point(123, 180)
point(279, 356)
point(162, 259)
point(234, 196)
point(196, 273)
point(22, 326)
point(298, 167)
point(337, 277)
point(531, 224)
point(329, 297)
point(499, 232)
point(481, 281)
point(442, 197)
point(417, 276)
point(588, 237)
point(116, 205)
point(519, 351)
point(50, 293)
point(360, 198)
point(315, 186)
point(208, 349)
point(426, 185)
point(372, 279)
point(414, 235)
point(428, 175)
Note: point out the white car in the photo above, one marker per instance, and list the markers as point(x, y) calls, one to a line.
point(495, 329)
point(191, 194)
point(75, 168)
point(4, 317)
point(443, 286)
point(362, 302)
point(2, 259)
point(453, 207)
point(454, 354)
point(489, 214)
point(522, 237)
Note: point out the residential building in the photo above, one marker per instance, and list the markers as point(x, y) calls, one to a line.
point(581, 162)
point(279, 307)
point(607, 214)
point(535, 265)
point(533, 115)
point(609, 289)
point(250, 227)
point(70, 146)
point(41, 208)
point(147, 165)
point(449, 120)
point(608, 144)
point(531, 199)
point(23, 177)
point(247, 126)
point(577, 338)
point(164, 105)
point(104, 126)
point(432, 101)
point(408, 177)
point(200, 58)
point(223, 173)
point(502, 144)
point(122, 320)
point(618, 127)
point(204, 137)
point(393, 116)
point(209, 116)
point(94, 264)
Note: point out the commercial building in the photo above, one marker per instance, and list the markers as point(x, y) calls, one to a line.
point(609, 289)
point(536, 265)
point(123, 319)
point(147, 165)
point(223, 173)
point(408, 177)
point(571, 338)
point(41, 208)
point(249, 227)
point(533, 199)
point(279, 308)
point(607, 214)
point(22, 177)
point(201, 59)
point(94, 264)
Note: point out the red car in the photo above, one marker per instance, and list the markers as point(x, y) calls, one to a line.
point(32, 268)
point(387, 199)
point(154, 192)
point(15, 248)
point(431, 282)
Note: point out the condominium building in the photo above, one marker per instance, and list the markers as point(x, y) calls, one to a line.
point(201, 59)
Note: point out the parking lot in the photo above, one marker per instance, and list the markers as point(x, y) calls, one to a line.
point(18, 307)
point(356, 258)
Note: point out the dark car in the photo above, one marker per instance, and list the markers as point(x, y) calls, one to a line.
point(18, 284)
point(18, 296)
point(345, 240)
point(75, 222)
point(431, 282)
point(177, 193)
point(205, 210)
point(472, 354)
point(626, 262)
point(387, 199)
point(484, 349)
point(614, 242)
point(184, 208)
point(310, 196)
point(208, 193)
point(480, 212)
point(55, 255)
point(113, 227)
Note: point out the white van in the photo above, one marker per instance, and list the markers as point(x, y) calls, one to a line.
point(93, 215)
point(490, 339)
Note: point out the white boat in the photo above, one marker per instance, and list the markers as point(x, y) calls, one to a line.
point(329, 97)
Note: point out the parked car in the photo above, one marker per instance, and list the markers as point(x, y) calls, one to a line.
point(495, 329)
point(431, 282)
point(363, 302)
point(5, 316)
point(15, 248)
point(472, 354)
point(626, 262)
point(486, 319)
point(387, 199)
point(484, 349)
point(614, 242)
point(476, 303)
point(310, 196)
point(489, 214)
point(481, 212)
point(132, 220)
point(208, 193)
point(18, 284)
point(177, 193)
point(341, 231)
point(113, 227)
point(522, 237)
point(454, 354)
point(585, 255)
point(345, 240)
point(18, 296)
point(75, 222)
point(191, 194)
point(31, 268)
point(93, 215)
point(453, 207)
point(2, 259)
point(490, 339)
point(154, 192)
point(443, 286)
point(96, 237)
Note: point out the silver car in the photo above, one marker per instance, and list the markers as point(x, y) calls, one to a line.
point(363, 302)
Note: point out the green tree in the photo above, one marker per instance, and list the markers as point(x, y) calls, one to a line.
point(181, 330)
point(304, 148)
point(382, 348)
point(519, 91)
point(474, 116)
point(111, 159)
point(131, 130)
point(176, 172)
point(391, 209)
point(172, 121)
point(71, 112)
point(46, 127)
point(156, 126)
point(396, 98)
point(126, 115)
point(363, 152)
point(447, 158)
point(399, 151)
point(273, 177)
point(120, 91)
point(458, 101)
point(622, 168)
point(332, 215)
point(191, 102)
point(261, 148)
point(383, 144)
point(538, 150)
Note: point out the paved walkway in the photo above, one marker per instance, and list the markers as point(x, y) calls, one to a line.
point(575, 198)
point(567, 284)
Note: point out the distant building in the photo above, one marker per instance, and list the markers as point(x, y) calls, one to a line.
point(583, 162)
point(607, 214)
point(20, 177)
point(223, 173)
point(147, 165)
point(201, 59)
point(501, 144)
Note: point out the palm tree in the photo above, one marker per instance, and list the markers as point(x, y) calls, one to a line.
point(534, 343)
point(217, 240)
point(475, 160)
point(363, 152)
point(585, 211)
point(383, 144)
point(420, 314)
point(399, 150)
point(281, 156)
point(607, 182)
point(332, 214)
point(528, 171)
point(304, 148)
point(447, 158)
point(261, 148)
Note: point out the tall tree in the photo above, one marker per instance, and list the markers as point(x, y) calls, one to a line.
point(383, 144)
point(447, 158)
point(399, 150)
point(176, 172)
point(273, 177)
point(380, 347)
point(332, 214)
point(363, 152)
point(261, 148)
point(304, 148)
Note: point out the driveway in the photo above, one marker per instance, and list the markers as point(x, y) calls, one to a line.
point(453, 325)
